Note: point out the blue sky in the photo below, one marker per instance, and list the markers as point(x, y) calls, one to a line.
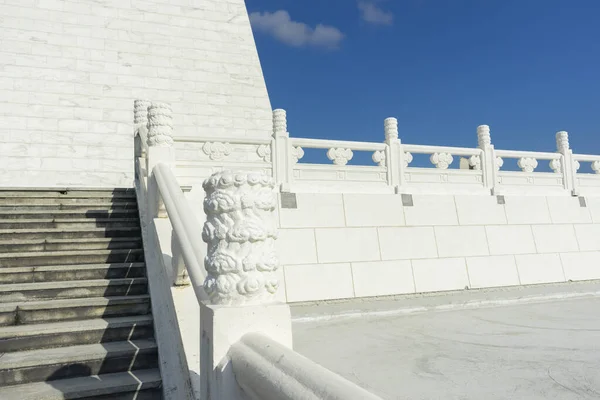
point(527, 68)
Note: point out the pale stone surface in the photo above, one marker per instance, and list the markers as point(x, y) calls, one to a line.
point(554, 238)
point(587, 236)
point(581, 266)
point(539, 268)
point(373, 210)
point(460, 241)
point(567, 210)
point(347, 244)
point(296, 246)
point(527, 210)
point(74, 68)
point(314, 211)
point(492, 271)
point(479, 210)
point(382, 278)
point(440, 274)
point(431, 210)
point(593, 203)
point(318, 282)
point(511, 239)
point(534, 351)
point(407, 243)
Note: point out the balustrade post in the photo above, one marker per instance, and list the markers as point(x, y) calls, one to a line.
point(282, 150)
point(160, 150)
point(242, 274)
point(394, 155)
point(140, 126)
point(490, 165)
point(569, 166)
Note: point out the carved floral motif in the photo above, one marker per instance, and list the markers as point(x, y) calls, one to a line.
point(216, 150)
point(527, 164)
point(340, 156)
point(499, 163)
point(441, 160)
point(264, 152)
point(408, 158)
point(576, 165)
point(556, 166)
point(240, 232)
point(596, 166)
point(297, 153)
point(379, 158)
point(475, 162)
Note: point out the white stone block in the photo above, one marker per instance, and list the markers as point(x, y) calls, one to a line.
point(479, 210)
point(588, 236)
point(373, 210)
point(527, 210)
point(461, 241)
point(404, 243)
point(581, 266)
point(382, 278)
point(347, 244)
point(567, 210)
point(539, 268)
point(318, 282)
point(440, 274)
point(510, 239)
point(296, 246)
point(492, 271)
point(431, 210)
point(555, 238)
point(314, 211)
point(593, 203)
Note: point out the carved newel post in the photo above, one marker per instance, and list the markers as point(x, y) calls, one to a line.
point(394, 157)
point(284, 155)
point(240, 232)
point(568, 166)
point(140, 126)
point(490, 164)
point(242, 281)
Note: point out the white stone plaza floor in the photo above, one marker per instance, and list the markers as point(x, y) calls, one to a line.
point(525, 343)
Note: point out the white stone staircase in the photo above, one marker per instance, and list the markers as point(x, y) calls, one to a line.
point(75, 317)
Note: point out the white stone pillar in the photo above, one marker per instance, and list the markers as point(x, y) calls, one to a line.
point(569, 166)
point(489, 164)
point(160, 150)
point(243, 279)
point(282, 161)
point(140, 126)
point(394, 154)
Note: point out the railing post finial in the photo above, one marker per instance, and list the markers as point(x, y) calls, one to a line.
point(484, 139)
point(279, 122)
point(390, 128)
point(160, 125)
point(562, 142)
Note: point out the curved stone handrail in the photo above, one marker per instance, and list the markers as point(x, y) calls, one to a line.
point(267, 370)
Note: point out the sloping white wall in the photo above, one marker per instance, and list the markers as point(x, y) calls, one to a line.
point(70, 70)
point(336, 246)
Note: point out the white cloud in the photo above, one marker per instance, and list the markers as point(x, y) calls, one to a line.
point(372, 14)
point(280, 25)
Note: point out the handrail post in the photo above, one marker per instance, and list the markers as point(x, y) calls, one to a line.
point(281, 148)
point(242, 279)
point(489, 164)
point(394, 155)
point(140, 126)
point(160, 150)
point(569, 165)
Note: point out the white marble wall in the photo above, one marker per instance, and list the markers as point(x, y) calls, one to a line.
point(70, 70)
point(337, 246)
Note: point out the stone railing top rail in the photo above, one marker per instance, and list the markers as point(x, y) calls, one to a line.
point(346, 144)
point(530, 154)
point(426, 149)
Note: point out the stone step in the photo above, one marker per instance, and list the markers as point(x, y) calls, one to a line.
point(72, 272)
point(61, 334)
point(95, 206)
point(36, 245)
point(18, 292)
point(144, 384)
point(77, 361)
point(72, 233)
point(50, 223)
point(25, 201)
point(36, 312)
point(68, 193)
point(71, 257)
point(26, 213)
